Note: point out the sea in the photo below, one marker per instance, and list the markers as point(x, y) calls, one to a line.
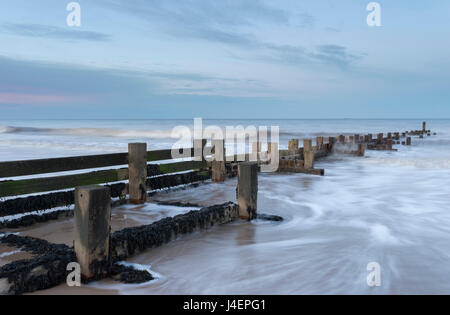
point(385, 215)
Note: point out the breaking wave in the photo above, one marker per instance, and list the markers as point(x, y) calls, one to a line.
point(88, 132)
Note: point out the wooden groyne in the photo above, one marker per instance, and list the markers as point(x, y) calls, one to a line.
point(93, 193)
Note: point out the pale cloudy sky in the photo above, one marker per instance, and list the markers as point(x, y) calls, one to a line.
point(224, 59)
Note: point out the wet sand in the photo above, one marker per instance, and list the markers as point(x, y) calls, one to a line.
point(11, 254)
point(62, 232)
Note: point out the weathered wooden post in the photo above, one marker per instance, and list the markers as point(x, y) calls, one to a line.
point(389, 135)
point(357, 138)
point(307, 145)
point(361, 149)
point(341, 139)
point(299, 164)
point(137, 169)
point(247, 190)
point(319, 143)
point(331, 143)
point(389, 144)
point(293, 145)
point(308, 154)
point(92, 228)
point(380, 138)
point(282, 164)
point(424, 126)
point(291, 164)
point(218, 170)
point(408, 141)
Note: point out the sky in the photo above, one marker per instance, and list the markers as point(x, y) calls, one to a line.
point(168, 59)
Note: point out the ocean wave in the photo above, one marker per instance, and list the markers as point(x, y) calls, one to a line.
point(115, 132)
point(88, 132)
point(421, 163)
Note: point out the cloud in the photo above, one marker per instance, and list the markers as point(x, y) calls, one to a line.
point(84, 92)
point(47, 31)
point(213, 21)
point(53, 83)
point(335, 54)
point(197, 14)
point(301, 56)
point(34, 99)
point(229, 22)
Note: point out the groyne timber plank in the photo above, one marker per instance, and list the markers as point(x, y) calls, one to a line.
point(35, 185)
point(54, 165)
point(43, 166)
point(314, 171)
point(66, 198)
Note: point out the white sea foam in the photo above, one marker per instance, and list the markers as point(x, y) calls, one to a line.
point(88, 132)
point(383, 235)
point(10, 253)
point(21, 215)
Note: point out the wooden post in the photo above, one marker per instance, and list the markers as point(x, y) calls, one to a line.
point(319, 143)
point(308, 154)
point(424, 126)
point(247, 190)
point(408, 141)
point(389, 135)
point(218, 170)
point(299, 164)
point(331, 143)
point(293, 145)
point(341, 139)
point(380, 138)
point(92, 228)
point(357, 139)
point(351, 139)
point(389, 144)
point(361, 149)
point(307, 145)
point(291, 164)
point(137, 169)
